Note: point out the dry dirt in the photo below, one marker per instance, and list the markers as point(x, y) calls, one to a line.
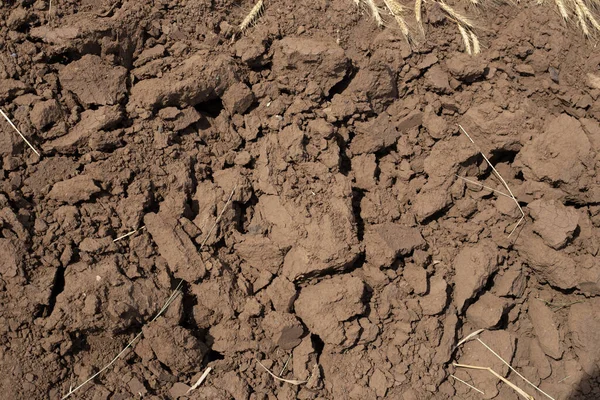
point(350, 255)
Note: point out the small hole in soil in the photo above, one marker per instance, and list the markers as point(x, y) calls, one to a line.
point(214, 356)
point(357, 196)
point(211, 108)
point(59, 286)
point(317, 343)
point(503, 156)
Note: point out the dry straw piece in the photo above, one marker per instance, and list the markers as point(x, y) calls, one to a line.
point(290, 381)
point(397, 10)
point(19, 132)
point(252, 16)
point(513, 386)
point(468, 384)
point(200, 380)
point(497, 375)
point(176, 292)
point(374, 11)
point(510, 193)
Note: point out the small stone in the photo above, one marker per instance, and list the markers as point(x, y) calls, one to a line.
point(436, 79)
point(282, 293)
point(430, 202)
point(242, 158)
point(554, 222)
point(290, 337)
point(137, 388)
point(45, 113)
point(325, 306)
point(511, 283)
point(525, 70)
point(487, 311)
point(364, 167)
point(185, 118)
point(179, 390)
point(437, 299)
point(385, 242)
point(473, 266)
point(416, 277)
point(74, 190)
point(17, 18)
point(545, 328)
point(379, 383)
point(466, 68)
point(238, 98)
point(94, 81)
point(168, 113)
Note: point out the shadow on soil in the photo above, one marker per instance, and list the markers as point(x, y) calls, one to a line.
point(588, 388)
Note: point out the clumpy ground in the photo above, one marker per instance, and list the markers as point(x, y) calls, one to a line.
point(300, 182)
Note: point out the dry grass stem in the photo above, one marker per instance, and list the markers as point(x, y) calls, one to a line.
point(503, 182)
point(579, 4)
point(475, 40)
point(465, 37)
point(200, 380)
point(19, 132)
point(515, 371)
point(285, 365)
point(483, 186)
point(290, 381)
point(582, 21)
point(129, 345)
point(218, 218)
point(397, 10)
point(468, 384)
point(497, 375)
point(562, 9)
point(375, 11)
point(452, 13)
point(128, 234)
point(252, 16)
point(419, 13)
point(468, 337)
point(164, 308)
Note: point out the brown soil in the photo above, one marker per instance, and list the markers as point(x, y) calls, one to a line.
point(350, 254)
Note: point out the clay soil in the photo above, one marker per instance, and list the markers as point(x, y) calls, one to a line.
point(300, 184)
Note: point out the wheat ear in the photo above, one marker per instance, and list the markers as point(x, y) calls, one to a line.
point(252, 16)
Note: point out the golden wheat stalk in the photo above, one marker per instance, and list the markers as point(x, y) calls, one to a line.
point(581, 17)
point(252, 16)
point(397, 10)
point(375, 11)
point(452, 13)
point(562, 9)
point(419, 12)
point(587, 14)
point(475, 41)
point(465, 37)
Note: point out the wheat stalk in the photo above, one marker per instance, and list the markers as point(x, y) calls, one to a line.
point(396, 9)
point(19, 132)
point(418, 13)
point(375, 11)
point(587, 14)
point(252, 16)
point(456, 15)
point(475, 40)
point(497, 375)
point(465, 37)
point(562, 9)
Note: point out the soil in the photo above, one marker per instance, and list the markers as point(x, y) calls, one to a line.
point(300, 181)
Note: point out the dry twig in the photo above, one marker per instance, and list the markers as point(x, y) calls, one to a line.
point(19, 132)
point(512, 196)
